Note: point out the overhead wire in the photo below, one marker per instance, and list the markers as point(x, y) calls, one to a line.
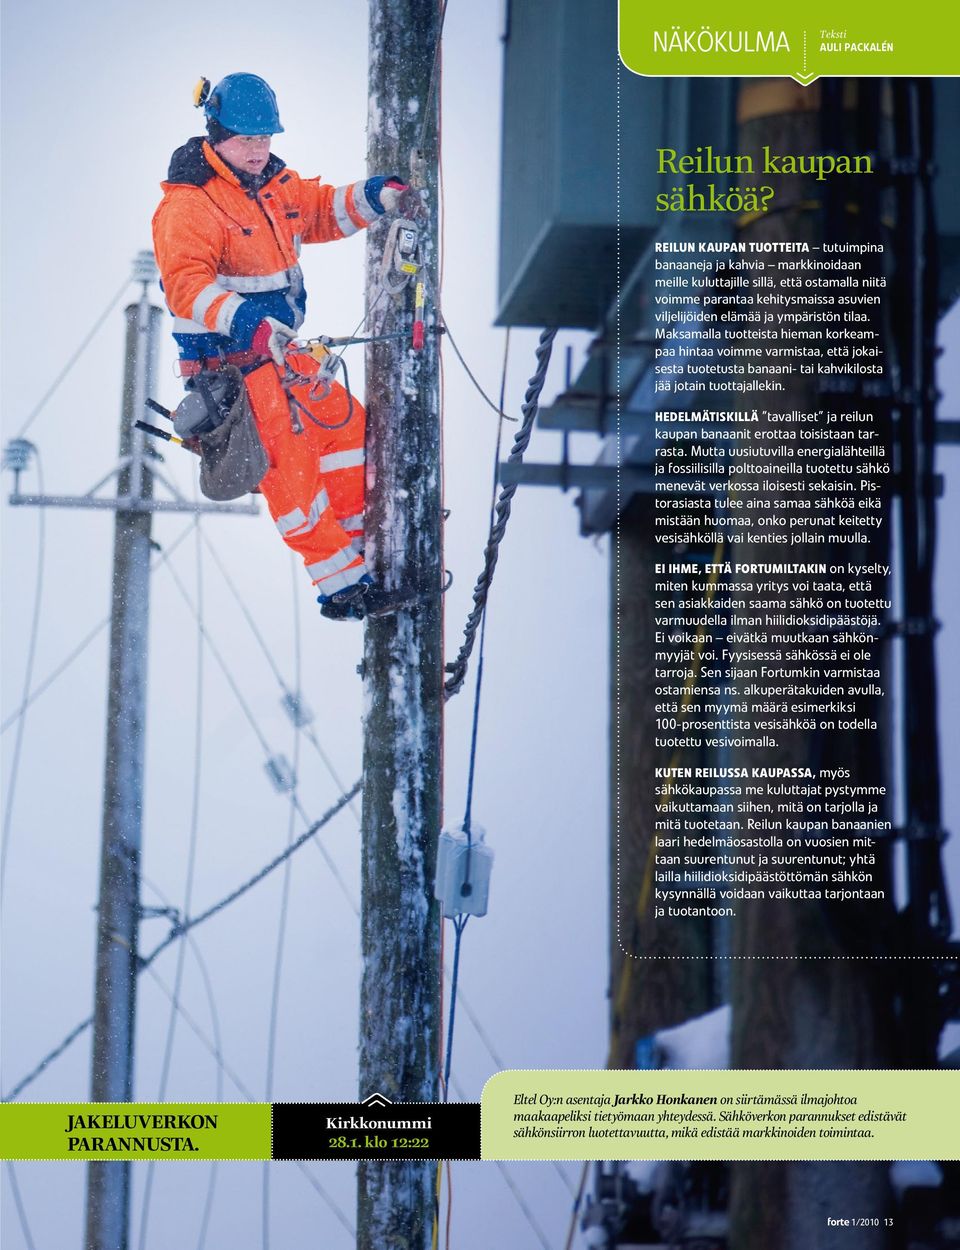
point(308, 731)
point(215, 652)
point(575, 1210)
point(457, 669)
point(85, 343)
point(18, 1203)
point(511, 1184)
point(248, 1094)
point(216, 1047)
point(499, 514)
point(27, 679)
point(460, 922)
point(441, 386)
point(84, 643)
point(284, 906)
point(48, 681)
point(434, 78)
point(524, 1206)
point(261, 737)
point(470, 374)
point(188, 886)
point(282, 857)
point(183, 926)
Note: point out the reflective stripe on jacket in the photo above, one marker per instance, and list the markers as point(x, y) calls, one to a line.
point(228, 255)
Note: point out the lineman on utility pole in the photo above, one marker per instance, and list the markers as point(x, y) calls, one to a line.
point(227, 236)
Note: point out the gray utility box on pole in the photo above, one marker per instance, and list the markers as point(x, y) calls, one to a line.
point(560, 157)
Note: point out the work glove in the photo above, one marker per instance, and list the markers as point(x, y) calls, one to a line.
point(270, 338)
point(389, 195)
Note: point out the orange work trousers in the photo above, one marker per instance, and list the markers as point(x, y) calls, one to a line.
point(315, 484)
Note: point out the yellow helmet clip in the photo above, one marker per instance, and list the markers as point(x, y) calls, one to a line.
point(200, 93)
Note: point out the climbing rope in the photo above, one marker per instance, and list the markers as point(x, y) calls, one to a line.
point(458, 667)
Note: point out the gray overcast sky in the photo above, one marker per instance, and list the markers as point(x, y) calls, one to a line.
point(95, 99)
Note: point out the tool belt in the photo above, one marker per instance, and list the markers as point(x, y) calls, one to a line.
point(218, 415)
point(190, 368)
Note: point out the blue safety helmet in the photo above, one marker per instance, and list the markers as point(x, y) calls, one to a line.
point(243, 104)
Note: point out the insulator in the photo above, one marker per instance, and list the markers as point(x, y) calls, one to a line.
point(144, 267)
point(300, 713)
point(281, 774)
point(17, 453)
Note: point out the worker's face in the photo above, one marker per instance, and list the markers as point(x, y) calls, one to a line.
point(248, 153)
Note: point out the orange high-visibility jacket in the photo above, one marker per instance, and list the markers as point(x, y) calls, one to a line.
point(228, 254)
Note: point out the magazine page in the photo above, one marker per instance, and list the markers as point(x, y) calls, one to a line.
point(521, 816)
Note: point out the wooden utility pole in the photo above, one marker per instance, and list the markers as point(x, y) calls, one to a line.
point(803, 995)
point(403, 662)
point(108, 1184)
point(118, 913)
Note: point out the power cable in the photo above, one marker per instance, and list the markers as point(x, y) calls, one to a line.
point(284, 906)
point(27, 679)
point(182, 927)
point(524, 1207)
point(179, 929)
point(307, 730)
point(71, 1037)
point(322, 850)
point(35, 412)
point(83, 644)
point(499, 514)
point(188, 887)
point(245, 612)
point(460, 922)
point(224, 1068)
point(481, 1032)
point(483, 394)
point(442, 397)
point(216, 1047)
point(215, 652)
point(511, 1184)
point(19, 1205)
point(434, 78)
point(575, 1211)
point(219, 1049)
point(449, 1204)
point(458, 668)
point(51, 677)
point(499, 1064)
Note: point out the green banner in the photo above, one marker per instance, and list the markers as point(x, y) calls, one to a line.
point(820, 40)
point(528, 1115)
point(134, 1130)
